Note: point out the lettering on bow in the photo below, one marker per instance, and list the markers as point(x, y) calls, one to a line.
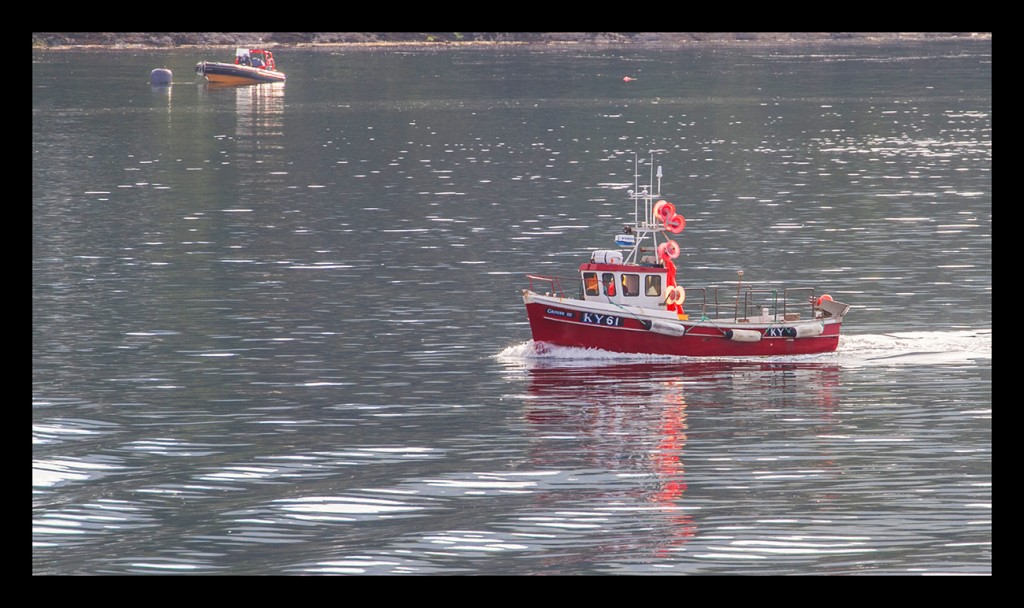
point(606, 320)
point(560, 313)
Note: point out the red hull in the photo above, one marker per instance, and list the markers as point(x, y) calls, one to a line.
point(568, 326)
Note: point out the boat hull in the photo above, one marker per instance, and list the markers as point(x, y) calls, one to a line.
point(232, 74)
point(575, 323)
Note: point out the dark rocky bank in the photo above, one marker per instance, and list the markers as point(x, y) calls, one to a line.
point(127, 40)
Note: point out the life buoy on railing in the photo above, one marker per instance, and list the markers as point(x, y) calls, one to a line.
point(675, 295)
point(664, 210)
point(823, 298)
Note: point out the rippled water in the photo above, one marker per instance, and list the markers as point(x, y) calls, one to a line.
point(277, 330)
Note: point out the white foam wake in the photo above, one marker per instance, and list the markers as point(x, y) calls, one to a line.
point(902, 348)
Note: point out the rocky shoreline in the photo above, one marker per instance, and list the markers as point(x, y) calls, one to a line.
point(376, 40)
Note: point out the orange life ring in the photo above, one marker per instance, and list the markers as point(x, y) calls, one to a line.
point(675, 295)
point(664, 210)
point(672, 249)
point(675, 223)
point(668, 249)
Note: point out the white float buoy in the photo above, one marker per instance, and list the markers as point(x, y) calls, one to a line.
point(742, 335)
point(669, 329)
point(160, 76)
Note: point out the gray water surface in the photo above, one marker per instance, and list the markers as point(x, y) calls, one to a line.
point(277, 329)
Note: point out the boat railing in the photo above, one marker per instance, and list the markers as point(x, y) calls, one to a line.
point(743, 304)
point(553, 285)
point(751, 304)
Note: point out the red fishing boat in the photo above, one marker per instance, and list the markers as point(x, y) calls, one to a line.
point(628, 300)
point(251, 66)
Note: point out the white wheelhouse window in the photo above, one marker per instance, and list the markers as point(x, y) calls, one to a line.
point(652, 285)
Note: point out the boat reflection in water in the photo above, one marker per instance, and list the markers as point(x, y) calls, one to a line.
point(634, 421)
point(260, 112)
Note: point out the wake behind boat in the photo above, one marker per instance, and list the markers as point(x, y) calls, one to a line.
point(629, 302)
point(251, 66)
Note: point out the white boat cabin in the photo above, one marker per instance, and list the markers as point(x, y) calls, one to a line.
point(607, 279)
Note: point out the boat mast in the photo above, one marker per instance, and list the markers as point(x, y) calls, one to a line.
point(644, 194)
